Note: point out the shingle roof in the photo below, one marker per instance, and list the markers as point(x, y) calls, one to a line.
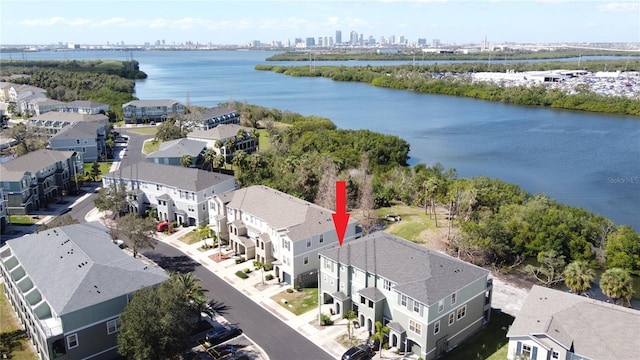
point(147, 103)
point(372, 293)
point(79, 130)
point(78, 266)
point(47, 101)
point(183, 178)
point(594, 329)
point(68, 117)
point(178, 148)
point(14, 170)
point(283, 211)
point(220, 132)
point(85, 104)
point(418, 272)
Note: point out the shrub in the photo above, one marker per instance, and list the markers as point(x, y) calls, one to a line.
point(267, 267)
point(247, 270)
point(298, 288)
point(256, 264)
point(326, 319)
point(268, 277)
point(289, 290)
point(240, 260)
point(241, 274)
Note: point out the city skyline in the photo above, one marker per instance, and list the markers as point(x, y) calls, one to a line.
point(246, 21)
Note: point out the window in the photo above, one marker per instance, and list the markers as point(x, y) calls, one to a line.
point(461, 312)
point(72, 341)
point(440, 305)
point(403, 300)
point(362, 300)
point(387, 285)
point(309, 243)
point(555, 355)
point(452, 318)
point(370, 304)
point(416, 306)
point(324, 277)
point(436, 327)
point(113, 326)
point(526, 350)
point(453, 298)
point(321, 239)
point(305, 260)
point(415, 327)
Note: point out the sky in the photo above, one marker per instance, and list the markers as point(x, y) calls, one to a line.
point(243, 21)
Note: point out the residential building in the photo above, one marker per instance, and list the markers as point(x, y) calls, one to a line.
point(13, 92)
point(178, 195)
point(85, 107)
point(36, 179)
point(40, 106)
point(52, 122)
point(225, 139)
point(212, 117)
point(26, 97)
point(4, 217)
point(87, 138)
point(138, 111)
point(430, 301)
point(69, 286)
point(276, 228)
point(554, 324)
point(171, 152)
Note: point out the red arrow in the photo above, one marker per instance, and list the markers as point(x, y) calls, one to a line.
point(341, 216)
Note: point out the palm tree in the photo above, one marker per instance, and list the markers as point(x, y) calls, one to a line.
point(191, 291)
point(185, 160)
point(617, 284)
point(379, 335)
point(209, 157)
point(350, 316)
point(431, 188)
point(239, 158)
point(218, 161)
point(578, 276)
point(240, 135)
point(255, 135)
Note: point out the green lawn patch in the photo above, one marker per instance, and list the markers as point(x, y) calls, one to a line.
point(145, 130)
point(105, 168)
point(489, 343)
point(298, 302)
point(151, 146)
point(13, 341)
point(21, 220)
point(414, 222)
point(264, 141)
point(191, 237)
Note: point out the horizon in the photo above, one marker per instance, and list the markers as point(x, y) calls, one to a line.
point(242, 22)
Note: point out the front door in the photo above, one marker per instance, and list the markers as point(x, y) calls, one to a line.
point(441, 347)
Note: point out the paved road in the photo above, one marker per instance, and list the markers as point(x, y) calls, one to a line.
point(276, 338)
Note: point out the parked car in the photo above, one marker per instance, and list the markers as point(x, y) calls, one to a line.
point(359, 352)
point(162, 226)
point(221, 333)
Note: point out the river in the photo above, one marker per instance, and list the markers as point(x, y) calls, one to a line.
point(581, 159)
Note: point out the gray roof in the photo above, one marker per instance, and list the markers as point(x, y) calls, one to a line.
point(594, 329)
point(178, 148)
point(79, 130)
point(47, 101)
point(31, 162)
point(301, 218)
point(68, 117)
point(183, 178)
point(147, 103)
point(396, 327)
point(85, 104)
point(418, 272)
point(372, 293)
point(220, 132)
point(78, 266)
point(214, 112)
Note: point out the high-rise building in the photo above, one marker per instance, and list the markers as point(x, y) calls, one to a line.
point(422, 42)
point(353, 38)
point(338, 36)
point(311, 41)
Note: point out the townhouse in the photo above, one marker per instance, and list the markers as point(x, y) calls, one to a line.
point(554, 324)
point(85, 107)
point(178, 195)
point(87, 138)
point(40, 106)
point(52, 122)
point(69, 285)
point(430, 301)
point(25, 97)
point(276, 228)
point(171, 152)
point(138, 111)
point(225, 139)
point(4, 217)
point(211, 117)
point(38, 178)
point(10, 92)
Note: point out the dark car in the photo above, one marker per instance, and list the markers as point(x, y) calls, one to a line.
point(360, 352)
point(221, 333)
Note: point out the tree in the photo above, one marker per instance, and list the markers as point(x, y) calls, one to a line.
point(623, 249)
point(95, 171)
point(431, 188)
point(186, 160)
point(326, 195)
point(617, 284)
point(138, 230)
point(168, 130)
point(218, 161)
point(112, 198)
point(381, 332)
point(549, 272)
point(209, 157)
point(365, 196)
point(350, 316)
point(156, 323)
point(57, 222)
point(191, 291)
point(578, 276)
point(26, 136)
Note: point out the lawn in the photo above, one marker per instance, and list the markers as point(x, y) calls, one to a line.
point(13, 341)
point(21, 220)
point(298, 302)
point(264, 141)
point(105, 168)
point(191, 237)
point(490, 343)
point(414, 222)
point(145, 130)
point(151, 146)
